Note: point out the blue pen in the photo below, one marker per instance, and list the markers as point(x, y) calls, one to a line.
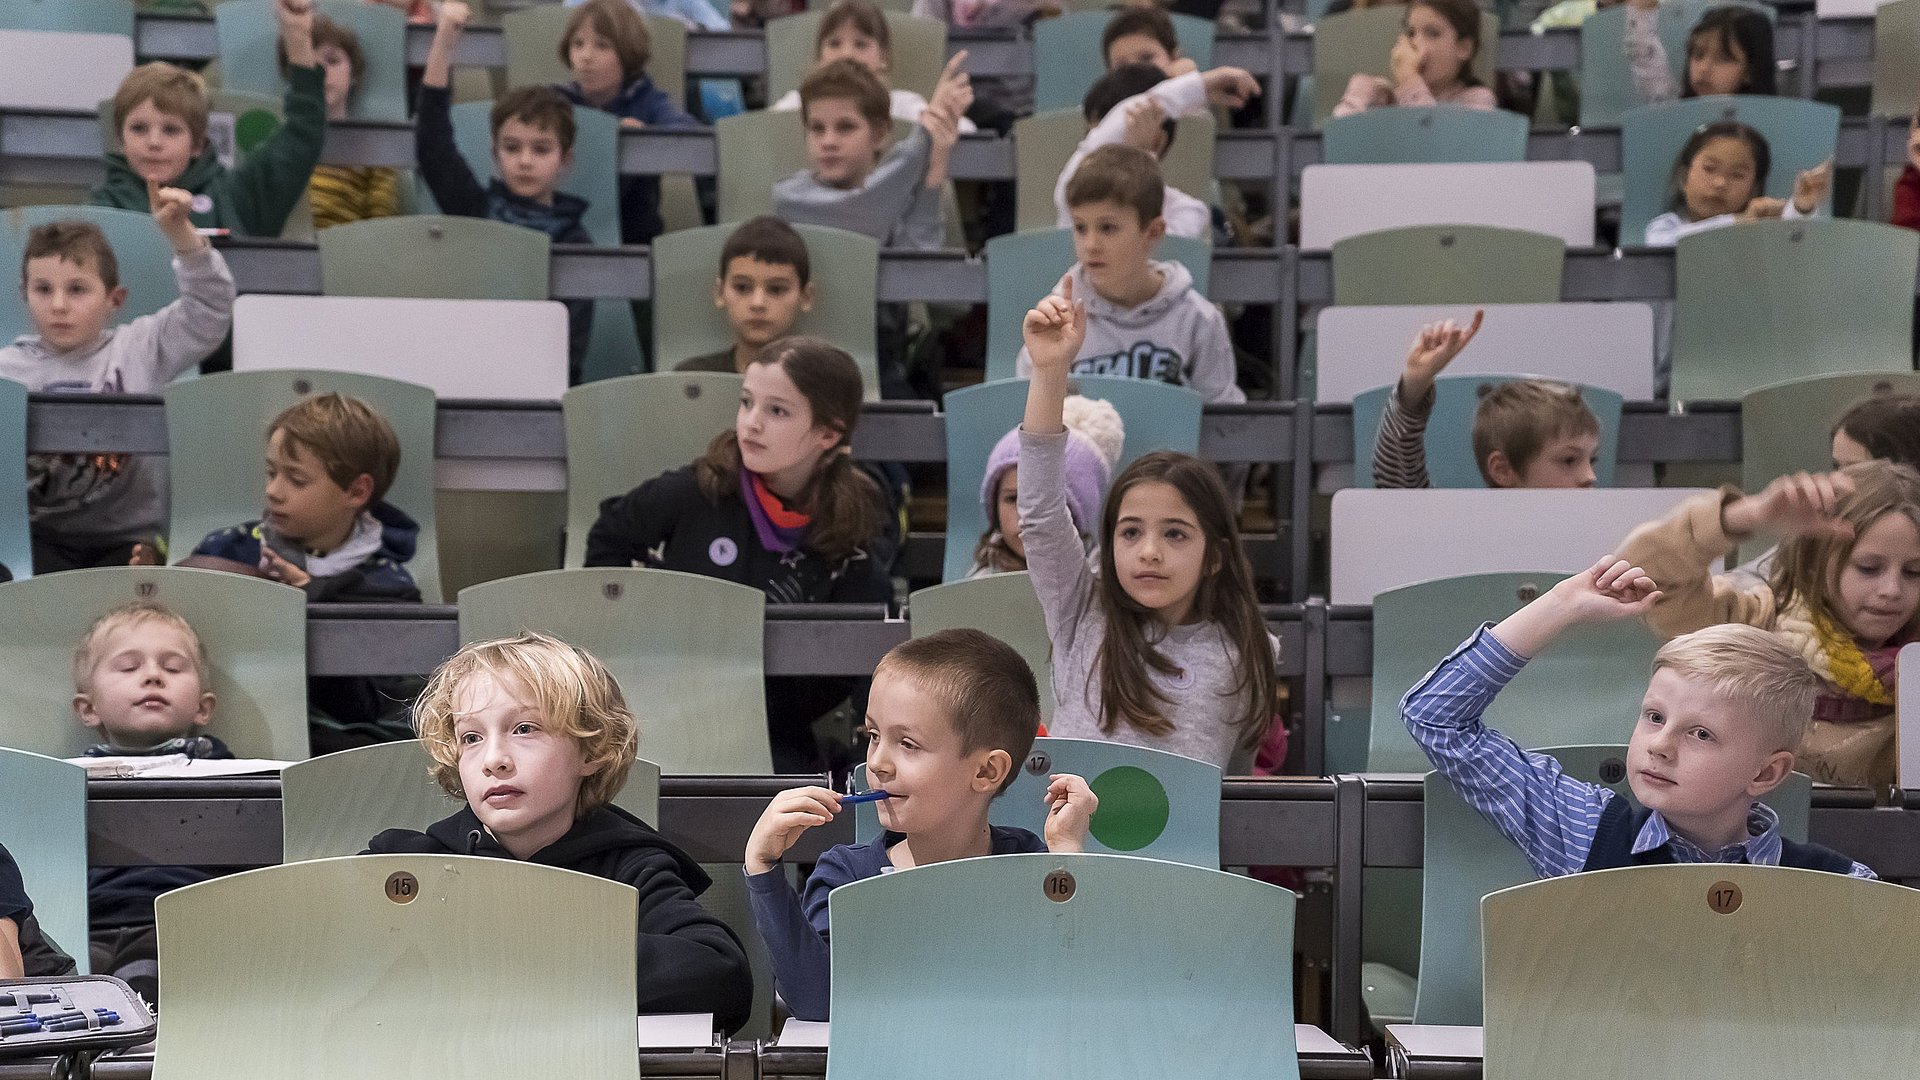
point(20, 1025)
point(865, 796)
point(106, 1016)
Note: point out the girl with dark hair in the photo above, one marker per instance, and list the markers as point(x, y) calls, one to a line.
point(1729, 51)
point(1718, 179)
point(1432, 62)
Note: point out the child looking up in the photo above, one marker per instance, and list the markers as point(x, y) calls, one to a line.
point(340, 194)
point(1432, 62)
point(857, 30)
point(1095, 437)
point(765, 285)
point(1718, 180)
point(1729, 51)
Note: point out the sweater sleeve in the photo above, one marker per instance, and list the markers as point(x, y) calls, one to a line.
point(688, 961)
point(1211, 367)
point(924, 226)
point(1363, 92)
point(274, 177)
point(1413, 91)
point(802, 961)
point(1178, 96)
point(1647, 57)
point(633, 524)
point(1056, 557)
point(446, 173)
point(1400, 449)
point(900, 193)
point(186, 331)
point(1676, 552)
point(1906, 199)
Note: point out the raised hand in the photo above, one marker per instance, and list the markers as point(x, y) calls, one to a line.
point(1404, 60)
point(453, 17)
point(170, 207)
point(1609, 589)
point(296, 30)
point(1229, 87)
point(791, 813)
point(1054, 330)
point(1145, 130)
point(1070, 807)
point(1810, 187)
point(1799, 504)
point(1433, 349)
point(954, 92)
point(1762, 208)
point(447, 28)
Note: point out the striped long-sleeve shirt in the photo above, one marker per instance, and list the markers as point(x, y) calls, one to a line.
point(1400, 450)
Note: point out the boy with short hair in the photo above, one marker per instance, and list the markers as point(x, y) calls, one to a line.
point(950, 720)
point(765, 285)
point(535, 736)
point(1144, 35)
point(1723, 713)
point(161, 112)
point(104, 509)
point(339, 194)
point(1144, 319)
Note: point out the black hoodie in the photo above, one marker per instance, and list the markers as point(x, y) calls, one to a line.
point(689, 961)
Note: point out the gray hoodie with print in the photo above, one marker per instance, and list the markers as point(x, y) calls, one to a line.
point(1177, 337)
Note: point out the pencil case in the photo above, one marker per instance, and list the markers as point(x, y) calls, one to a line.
point(75, 1014)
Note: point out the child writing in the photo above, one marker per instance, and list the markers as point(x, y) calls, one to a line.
point(950, 721)
point(1432, 62)
point(1722, 715)
point(108, 509)
point(1144, 35)
point(1165, 646)
point(340, 194)
point(1718, 180)
point(765, 285)
point(857, 30)
point(534, 736)
point(1729, 51)
point(1095, 437)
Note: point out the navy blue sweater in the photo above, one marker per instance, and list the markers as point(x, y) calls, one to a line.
point(639, 195)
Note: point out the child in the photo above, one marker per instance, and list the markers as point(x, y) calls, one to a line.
point(15, 909)
point(1884, 426)
point(765, 285)
point(949, 724)
point(1718, 180)
point(1144, 35)
point(1528, 433)
point(606, 45)
point(1844, 592)
point(103, 509)
point(1723, 712)
point(857, 30)
point(1165, 646)
point(161, 111)
point(776, 503)
point(1135, 105)
point(1432, 63)
point(1144, 319)
point(532, 148)
point(340, 194)
point(1906, 194)
point(535, 736)
point(1729, 51)
point(1095, 437)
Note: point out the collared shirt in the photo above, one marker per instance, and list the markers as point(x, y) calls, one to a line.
point(1550, 816)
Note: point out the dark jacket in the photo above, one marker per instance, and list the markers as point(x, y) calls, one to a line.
point(639, 195)
point(119, 897)
point(689, 961)
point(381, 578)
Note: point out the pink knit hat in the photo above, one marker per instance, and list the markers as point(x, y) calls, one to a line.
point(1095, 436)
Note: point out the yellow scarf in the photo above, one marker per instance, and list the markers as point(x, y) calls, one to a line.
point(1833, 655)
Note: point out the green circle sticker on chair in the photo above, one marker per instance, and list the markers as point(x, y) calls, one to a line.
point(1133, 808)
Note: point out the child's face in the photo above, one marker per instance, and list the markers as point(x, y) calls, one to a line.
point(1443, 53)
point(530, 159)
point(338, 71)
point(1111, 244)
point(762, 299)
point(847, 43)
point(1565, 462)
point(915, 754)
point(1159, 551)
point(778, 438)
point(595, 64)
point(1715, 66)
point(1720, 179)
point(69, 303)
point(1879, 586)
point(521, 776)
point(1006, 510)
point(146, 687)
point(303, 502)
point(842, 147)
point(158, 145)
point(1138, 49)
point(1692, 756)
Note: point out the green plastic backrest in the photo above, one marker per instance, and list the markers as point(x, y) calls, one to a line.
point(1437, 133)
point(1777, 300)
point(428, 255)
point(144, 257)
point(254, 632)
point(1449, 441)
point(686, 649)
point(43, 805)
point(1788, 427)
point(977, 956)
point(1800, 135)
point(1360, 41)
point(1448, 264)
point(217, 437)
point(1022, 267)
point(1044, 142)
point(532, 36)
point(1586, 689)
point(249, 59)
point(1074, 61)
point(919, 52)
point(399, 980)
point(1606, 81)
point(1896, 58)
point(623, 432)
point(16, 543)
point(1003, 605)
point(72, 16)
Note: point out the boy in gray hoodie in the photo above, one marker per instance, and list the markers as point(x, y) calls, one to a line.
point(1144, 319)
point(97, 509)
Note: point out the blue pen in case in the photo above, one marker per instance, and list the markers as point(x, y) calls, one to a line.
point(865, 796)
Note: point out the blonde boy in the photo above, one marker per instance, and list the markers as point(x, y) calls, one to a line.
point(535, 736)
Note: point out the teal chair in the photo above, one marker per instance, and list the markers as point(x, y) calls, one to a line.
point(1449, 441)
point(249, 59)
point(1022, 267)
point(1071, 44)
point(16, 543)
point(1896, 63)
point(72, 16)
point(1606, 82)
point(1448, 264)
point(1157, 417)
point(1003, 605)
point(919, 51)
point(1360, 41)
point(143, 256)
point(1800, 134)
point(1438, 133)
point(1157, 968)
point(435, 257)
point(43, 825)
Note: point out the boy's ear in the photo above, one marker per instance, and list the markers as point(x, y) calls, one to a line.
point(806, 298)
point(1502, 470)
point(566, 159)
point(1157, 229)
point(1772, 774)
point(83, 709)
point(719, 292)
point(360, 491)
point(117, 297)
point(205, 715)
point(993, 771)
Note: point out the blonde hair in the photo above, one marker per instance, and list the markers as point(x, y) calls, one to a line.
point(1521, 417)
point(1757, 672)
point(570, 689)
point(173, 90)
point(1808, 567)
point(87, 654)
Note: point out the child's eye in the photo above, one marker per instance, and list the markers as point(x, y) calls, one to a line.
point(468, 738)
point(1176, 534)
point(778, 410)
point(1654, 718)
point(525, 727)
point(1130, 532)
point(1702, 734)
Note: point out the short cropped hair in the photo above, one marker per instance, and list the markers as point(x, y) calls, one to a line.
point(328, 32)
point(1521, 417)
point(87, 654)
point(1123, 174)
point(1755, 671)
point(988, 691)
point(78, 242)
point(573, 692)
point(616, 21)
point(1149, 21)
point(347, 436)
point(173, 90)
point(848, 79)
point(771, 241)
point(536, 106)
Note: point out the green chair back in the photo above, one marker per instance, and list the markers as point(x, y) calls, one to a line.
point(919, 51)
point(1044, 142)
point(1071, 44)
point(1800, 134)
point(144, 257)
point(1788, 426)
point(402, 978)
point(249, 60)
point(216, 438)
point(254, 632)
point(1448, 264)
point(16, 542)
point(687, 651)
point(1449, 442)
point(446, 258)
point(1606, 81)
point(1438, 133)
point(43, 803)
point(71, 16)
point(753, 151)
point(1360, 41)
point(1003, 605)
point(532, 36)
point(975, 956)
point(1896, 58)
point(1777, 300)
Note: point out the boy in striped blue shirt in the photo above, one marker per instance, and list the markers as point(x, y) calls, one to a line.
point(1723, 712)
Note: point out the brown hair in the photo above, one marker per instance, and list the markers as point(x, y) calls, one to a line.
point(848, 79)
point(78, 242)
point(1886, 424)
point(1148, 21)
point(843, 501)
point(536, 106)
point(328, 32)
point(1225, 596)
point(173, 90)
point(347, 436)
point(985, 688)
point(616, 21)
point(859, 16)
point(771, 241)
point(86, 654)
point(1758, 672)
point(1807, 568)
point(1123, 174)
point(1521, 417)
point(1464, 17)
